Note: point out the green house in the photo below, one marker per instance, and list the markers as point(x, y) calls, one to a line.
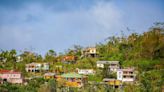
point(74, 79)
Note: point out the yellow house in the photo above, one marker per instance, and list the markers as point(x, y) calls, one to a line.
point(49, 75)
point(74, 79)
point(113, 82)
point(72, 84)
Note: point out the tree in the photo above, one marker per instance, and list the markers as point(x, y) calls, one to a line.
point(51, 86)
point(106, 71)
point(51, 56)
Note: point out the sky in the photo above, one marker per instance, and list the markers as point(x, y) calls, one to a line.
point(40, 25)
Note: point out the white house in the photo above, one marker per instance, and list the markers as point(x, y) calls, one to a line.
point(126, 75)
point(37, 67)
point(89, 52)
point(19, 58)
point(113, 65)
point(86, 71)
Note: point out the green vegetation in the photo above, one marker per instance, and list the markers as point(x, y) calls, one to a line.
point(144, 51)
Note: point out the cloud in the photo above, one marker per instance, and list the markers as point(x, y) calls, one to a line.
point(59, 25)
point(44, 28)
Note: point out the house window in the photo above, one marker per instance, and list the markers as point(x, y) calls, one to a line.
point(13, 75)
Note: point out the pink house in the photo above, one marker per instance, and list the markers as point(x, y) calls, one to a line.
point(11, 76)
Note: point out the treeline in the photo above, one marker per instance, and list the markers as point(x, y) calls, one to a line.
point(149, 45)
point(143, 51)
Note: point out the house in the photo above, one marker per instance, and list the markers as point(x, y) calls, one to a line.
point(49, 75)
point(113, 65)
point(69, 58)
point(85, 71)
point(11, 76)
point(113, 82)
point(89, 52)
point(74, 79)
point(37, 67)
point(126, 75)
point(19, 59)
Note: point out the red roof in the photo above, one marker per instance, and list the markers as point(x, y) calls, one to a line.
point(9, 71)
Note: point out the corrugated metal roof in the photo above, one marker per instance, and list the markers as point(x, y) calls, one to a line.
point(109, 79)
point(126, 69)
point(9, 71)
point(107, 62)
point(49, 74)
point(72, 75)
